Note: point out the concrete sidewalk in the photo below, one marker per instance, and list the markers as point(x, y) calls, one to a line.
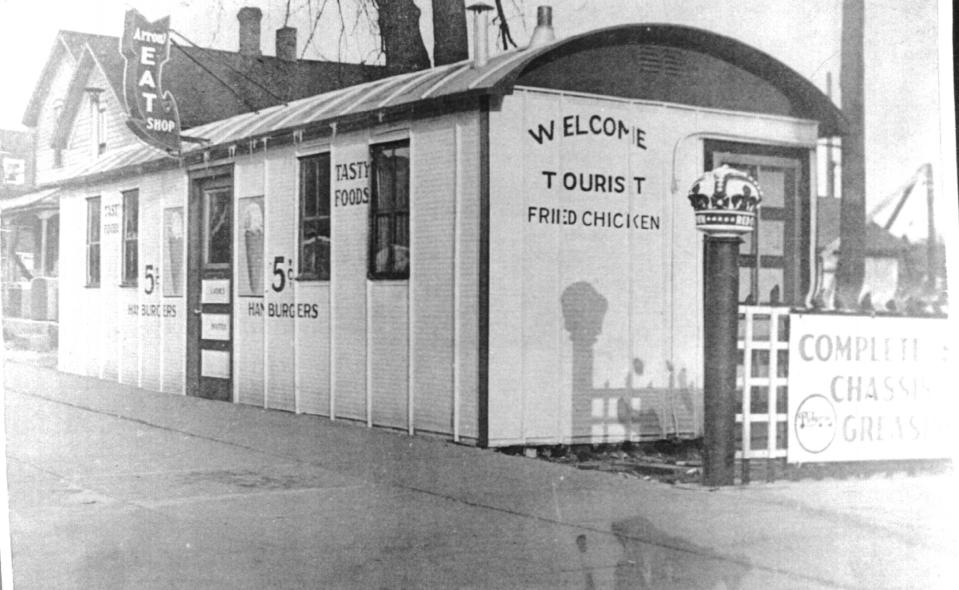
point(115, 487)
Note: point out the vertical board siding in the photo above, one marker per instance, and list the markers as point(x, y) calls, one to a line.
point(466, 302)
point(348, 287)
point(389, 353)
point(506, 270)
point(249, 312)
point(313, 347)
point(280, 205)
point(431, 227)
point(174, 189)
point(150, 334)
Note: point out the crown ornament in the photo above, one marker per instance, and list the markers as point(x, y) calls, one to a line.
point(725, 201)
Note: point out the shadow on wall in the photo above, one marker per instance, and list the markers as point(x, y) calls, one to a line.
point(632, 413)
point(652, 559)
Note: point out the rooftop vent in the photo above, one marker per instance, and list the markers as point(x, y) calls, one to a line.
point(543, 33)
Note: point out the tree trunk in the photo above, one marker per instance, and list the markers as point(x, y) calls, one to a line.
point(399, 22)
point(449, 32)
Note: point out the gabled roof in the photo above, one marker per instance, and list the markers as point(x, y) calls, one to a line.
point(191, 74)
point(452, 86)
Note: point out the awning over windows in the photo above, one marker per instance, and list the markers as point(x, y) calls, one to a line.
point(43, 199)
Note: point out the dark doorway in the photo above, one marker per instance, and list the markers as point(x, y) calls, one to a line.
point(210, 286)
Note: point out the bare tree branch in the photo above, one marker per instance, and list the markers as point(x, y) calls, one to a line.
point(316, 23)
point(504, 34)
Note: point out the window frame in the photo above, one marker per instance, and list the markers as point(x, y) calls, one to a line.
point(93, 246)
point(795, 213)
point(129, 275)
point(393, 213)
point(312, 274)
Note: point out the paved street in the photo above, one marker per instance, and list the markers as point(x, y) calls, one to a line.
point(114, 487)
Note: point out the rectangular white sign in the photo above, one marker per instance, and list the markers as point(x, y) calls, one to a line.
point(215, 363)
point(869, 388)
point(14, 171)
point(216, 291)
point(215, 326)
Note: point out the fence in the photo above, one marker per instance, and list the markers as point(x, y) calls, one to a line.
point(762, 389)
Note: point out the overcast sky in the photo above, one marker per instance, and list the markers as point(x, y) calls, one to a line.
point(902, 92)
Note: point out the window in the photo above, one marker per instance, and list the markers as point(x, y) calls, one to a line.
point(217, 211)
point(315, 217)
point(93, 242)
point(130, 229)
point(57, 149)
point(774, 258)
point(390, 211)
point(97, 121)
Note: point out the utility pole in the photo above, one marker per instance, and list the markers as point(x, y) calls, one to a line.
point(852, 219)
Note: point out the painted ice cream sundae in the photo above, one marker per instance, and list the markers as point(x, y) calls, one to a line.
point(253, 238)
point(174, 232)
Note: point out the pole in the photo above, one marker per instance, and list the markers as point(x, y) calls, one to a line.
point(721, 319)
point(852, 216)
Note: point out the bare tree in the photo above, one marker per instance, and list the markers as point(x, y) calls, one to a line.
point(449, 32)
point(400, 38)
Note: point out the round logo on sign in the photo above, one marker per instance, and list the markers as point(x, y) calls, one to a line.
point(815, 424)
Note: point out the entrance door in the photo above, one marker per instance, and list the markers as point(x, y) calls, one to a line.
point(209, 287)
point(774, 259)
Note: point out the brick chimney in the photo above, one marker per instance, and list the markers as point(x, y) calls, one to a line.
point(286, 43)
point(249, 17)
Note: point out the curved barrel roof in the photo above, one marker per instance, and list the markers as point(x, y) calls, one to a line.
point(443, 88)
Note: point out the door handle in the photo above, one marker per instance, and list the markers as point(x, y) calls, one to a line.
point(196, 311)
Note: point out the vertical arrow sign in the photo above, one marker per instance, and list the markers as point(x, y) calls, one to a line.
point(145, 47)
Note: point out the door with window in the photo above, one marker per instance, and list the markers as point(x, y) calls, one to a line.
point(774, 259)
point(209, 286)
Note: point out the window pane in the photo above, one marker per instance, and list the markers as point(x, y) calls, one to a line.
point(314, 217)
point(93, 241)
point(384, 181)
point(93, 220)
point(771, 237)
point(323, 186)
point(381, 245)
point(130, 261)
point(219, 227)
point(93, 264)
point(389, 211)
point(130, 221)
point(401, 163)
point(323, 248)
point(308, 186)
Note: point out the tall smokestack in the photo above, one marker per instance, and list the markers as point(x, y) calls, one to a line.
point(249, 17)
point(852, 217)
point(286, 43)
